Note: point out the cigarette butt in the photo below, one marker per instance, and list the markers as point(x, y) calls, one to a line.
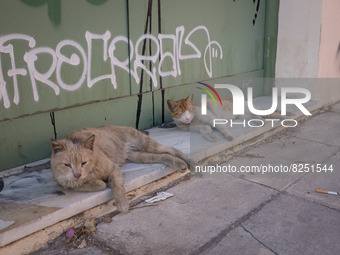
point(327, 192)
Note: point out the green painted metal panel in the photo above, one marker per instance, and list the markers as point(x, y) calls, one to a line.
point(270, 43)
point(187, 41)
point(60, 64)
point(197, 40)
point(25, 140)
point(97, 62)
point(112, 112)
point(222, 31)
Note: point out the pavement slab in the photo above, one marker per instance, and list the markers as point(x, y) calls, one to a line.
point(336, 107)
point(199, 210)
point(323, 128)
point(291, 225)
point(238, 242)
point(324, 180)
point(284, 150)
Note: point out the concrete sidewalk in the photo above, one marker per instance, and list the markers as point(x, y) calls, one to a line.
point(240, 213)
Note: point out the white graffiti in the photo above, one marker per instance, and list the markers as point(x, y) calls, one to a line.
point(82, 59)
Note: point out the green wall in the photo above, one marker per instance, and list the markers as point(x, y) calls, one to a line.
point(80, 63)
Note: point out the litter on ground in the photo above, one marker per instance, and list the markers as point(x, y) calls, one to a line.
point(160, 196)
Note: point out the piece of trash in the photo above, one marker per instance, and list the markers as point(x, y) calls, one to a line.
point(5, 224)
point(82, 245)
point(327, 192)
point(70, 233)
point(90, 226)
point(160, 196)
point(78, 237)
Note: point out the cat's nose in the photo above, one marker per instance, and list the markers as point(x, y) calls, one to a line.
point(76, 174)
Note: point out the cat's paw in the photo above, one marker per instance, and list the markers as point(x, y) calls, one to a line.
point(181, 166)
point(122, 206)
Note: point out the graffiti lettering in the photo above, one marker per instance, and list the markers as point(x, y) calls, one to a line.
point(82, 58)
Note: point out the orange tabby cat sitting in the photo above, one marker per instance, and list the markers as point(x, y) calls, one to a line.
point(88, 158)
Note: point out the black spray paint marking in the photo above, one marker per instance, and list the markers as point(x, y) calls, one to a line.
point(160, 77)
point(257, 10)
point(150, 80)
point(53, 124)
point(140, 95)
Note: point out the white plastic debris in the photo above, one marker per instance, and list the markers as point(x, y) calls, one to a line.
point(5, 224)
point(160, 196)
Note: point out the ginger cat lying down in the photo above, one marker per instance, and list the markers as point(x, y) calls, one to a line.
point(88, 158)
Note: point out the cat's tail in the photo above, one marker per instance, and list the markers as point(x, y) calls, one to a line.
point(148, 150)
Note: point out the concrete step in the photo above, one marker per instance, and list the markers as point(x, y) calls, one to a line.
point(33, 201)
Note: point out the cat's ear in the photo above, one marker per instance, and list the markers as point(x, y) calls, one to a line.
point(171, 104)
point(190, 98)
point(88, 144)
point(57, 146)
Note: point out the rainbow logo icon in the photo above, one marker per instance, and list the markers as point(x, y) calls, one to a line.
point(209, 93)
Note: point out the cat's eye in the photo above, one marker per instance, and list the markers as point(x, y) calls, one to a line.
point(68, 165)
point(84, 163)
